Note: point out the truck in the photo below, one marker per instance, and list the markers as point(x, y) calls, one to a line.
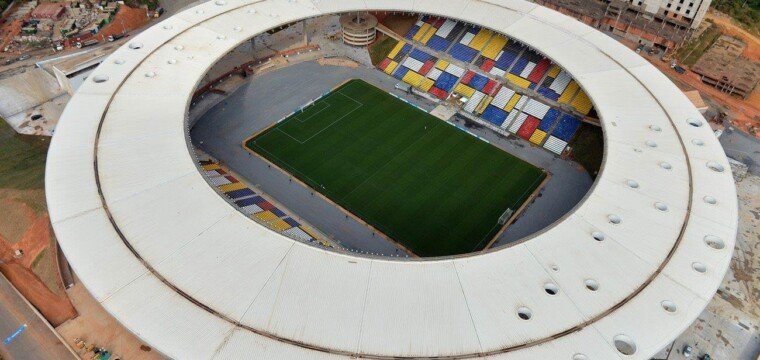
point(112, 38)
point(86, 43)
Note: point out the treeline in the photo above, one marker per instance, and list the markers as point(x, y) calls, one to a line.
point(746, 12)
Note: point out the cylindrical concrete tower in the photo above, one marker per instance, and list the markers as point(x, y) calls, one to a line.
point(359, 29)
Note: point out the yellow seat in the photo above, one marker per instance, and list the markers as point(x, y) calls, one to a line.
point(582, 103)
point(442, 65)
point(570, 90)
point(391, 66)
point(518, 81)
point(483, 104)
point(232, 187)
point(538, 137)
point(426, 84)
point(494, 47)
point(280, 225)
point(464, 90)
point(480, 40)
point(428, 35)
point(412, 78)
point(266, 216)
point(396, 49)
point(421, 32)
point(554, 71)
point(512, 102)
point(210, 167)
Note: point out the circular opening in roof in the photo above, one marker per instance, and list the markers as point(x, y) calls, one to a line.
point(179, 48)
point(135, 45)
point(580, 356)
point(251, 11)
point(666, 165)
point(199, 11)
point(237, 28)
point(668, 306)
point(714, 242)
point(624, 344)
point(118, 61)
point(598, 235)
point(150, 74)
point(551, 288)
point(710, 200)
point(221, 37)
point(651, 144)
point(614, 219)
point(220, 2)
point(167, 27)
point(699, 267)
point(591, 284)
point(698, 142)
point(714, 166)
point(694, 122)
point(632, 184)
point(100, 78)
point(655, 128)
point(661, 206)
point(171, 61)
point(524, 313)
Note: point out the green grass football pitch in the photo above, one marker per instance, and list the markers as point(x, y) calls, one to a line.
point(427, 185)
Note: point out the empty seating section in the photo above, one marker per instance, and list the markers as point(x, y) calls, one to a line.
point(486, 97)
point(555, 145)
point(254, 205)
point(528, 127)
point(582, 103)
point(569, 92)
point(566, 127)
point(462, 50)
point(494, 47)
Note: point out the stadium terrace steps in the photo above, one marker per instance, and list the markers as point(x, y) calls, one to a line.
point(255, 205)
point(495, 55)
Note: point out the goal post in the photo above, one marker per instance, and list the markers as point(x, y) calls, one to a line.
point(505, 216)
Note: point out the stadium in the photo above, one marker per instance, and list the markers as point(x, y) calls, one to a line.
point(335, 212)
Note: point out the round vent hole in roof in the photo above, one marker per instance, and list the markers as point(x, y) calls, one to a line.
point(598, 235)
point(699, 267)
point(551, 288)
point(624, 344)
point(591, 284)
point(524, 313)
point(668, 306)
point(714, 242)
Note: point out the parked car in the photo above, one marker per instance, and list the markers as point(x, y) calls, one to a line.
point(24, 57)
point(687, 350)
point(679, 69)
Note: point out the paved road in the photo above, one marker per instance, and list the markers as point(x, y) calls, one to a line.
point(272, 96)
point(37, 341)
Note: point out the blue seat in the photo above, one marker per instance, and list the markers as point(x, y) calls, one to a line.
point(494, 115)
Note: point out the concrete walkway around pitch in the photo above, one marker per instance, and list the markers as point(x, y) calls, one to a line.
point(272, 96)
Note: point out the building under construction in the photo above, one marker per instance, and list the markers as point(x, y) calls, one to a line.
point(634, 20)
point(723, 66)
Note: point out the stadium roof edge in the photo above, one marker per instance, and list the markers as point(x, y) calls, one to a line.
point(192, 277)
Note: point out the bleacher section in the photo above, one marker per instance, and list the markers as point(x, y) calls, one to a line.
point(494, 59)
point(255, 205)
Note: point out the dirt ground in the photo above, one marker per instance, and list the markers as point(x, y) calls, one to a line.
point(126, 19)
point(25, 226)
point(400, 24)
point(744, 114)
point(95, 326)
point(729, 27)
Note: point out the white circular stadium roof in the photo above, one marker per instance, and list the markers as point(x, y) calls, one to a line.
point(625, 272)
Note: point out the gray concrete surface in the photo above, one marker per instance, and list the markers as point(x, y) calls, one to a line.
point(37, 342)
point(743, 147)
point(272, 96)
